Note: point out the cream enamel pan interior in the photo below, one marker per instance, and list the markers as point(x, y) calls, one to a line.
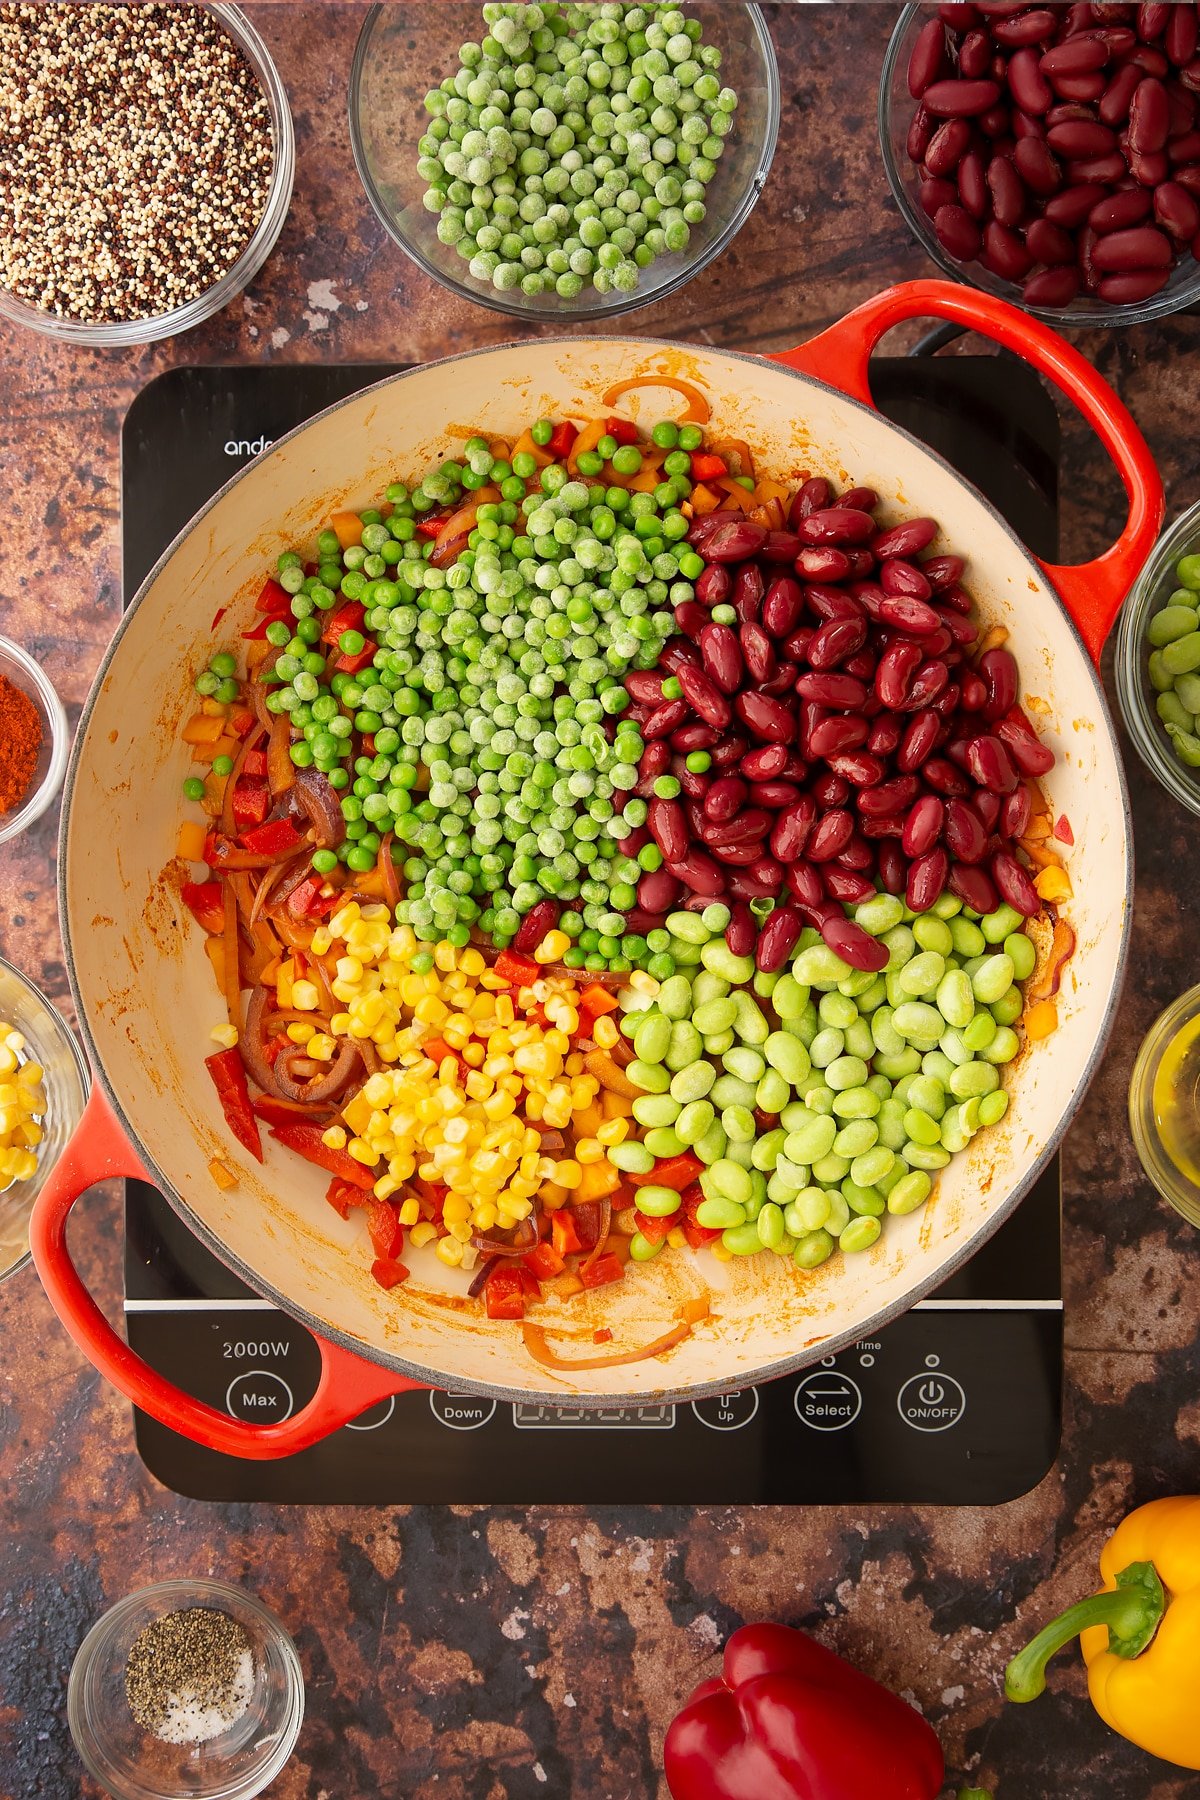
point(144, 987)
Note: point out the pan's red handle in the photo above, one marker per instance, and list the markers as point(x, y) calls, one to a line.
point(1091, 592)
point(98, 1151)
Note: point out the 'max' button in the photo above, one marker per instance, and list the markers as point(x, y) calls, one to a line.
point(261, 1396)
point(931, 1402)
point(461, 1412)
point(827, 1400)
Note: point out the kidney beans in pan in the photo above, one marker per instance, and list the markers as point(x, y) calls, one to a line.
point(1041, 130)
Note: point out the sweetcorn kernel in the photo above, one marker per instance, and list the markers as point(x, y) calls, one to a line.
point(449, 1251)
point(410, 1211)
point(225, 1035)
point(306, 996)
point(422, 1234)
point(604, 1032)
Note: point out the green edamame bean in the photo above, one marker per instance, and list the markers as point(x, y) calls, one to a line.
point(1170, 622)
point(745, 1063)
point(686, 1045)
point(808, 1211)
point(826, 1047)
point(859, 1103)
point(966, 936)
point(663, 1140)
point(718, 1214)
point(846, 1072)
point(927, 1094)
point(955, 999)
point(787, 1055)
point(937, 1064)
point(715, 1015)
point(873, 997)
point(789, 998)
point(839, 1211)
point(652, 1039)
point(813, 1249)
point(652, 1078)
point(720, 959)
point(993, 978)
point(1188, 690)
point(866, 1201)
point(688, 927)
point(705, 987)
point(953, 1047)
point(1186, 745)
point(772, 1093)
point(770, 1226)
point(718, 1042)
point(1003, 1047)
point(955, 1133)
point(918, 1023)
point(749, 1021)
point(1008, 1008)
point(1182, 655)
point(909, 1192)
point(783, 1184)
point(925, 1156)
point(820, 967)
point(974, 1080)
point(739, 1152)
point(657, 1202)
point(902, 947)
point(1187, 570)
point(768, 1147)
point(906, 1063)
point(692, 1083)
point(858, 1040)
point(921, 974)
point(738, 1124)
point(921, 1128)
point(1172, 711)
point(900, 1091)
point(1019, 949)
point(831, 1169)
point(993, 1107)
point(819, 1098)
point(856, 983)
point(805, 1027)
point(860, 1234)
point(728, 1179)
point(979, 1032)
point(891, 1124)
point(884, 1034)
point(883, 912)
point(998, 925)
point(872, 1166)
point(674, 998)
point(632, 1157)
point(727, 1090)
point(764, 982)
point(837, 1010)
point(642, 1250)
point(854, 1138)
point(693, 1122)
point(1160, 680)
point(933, 934)
point(712, 1146)
point(812, 1138)
point(655, 1109)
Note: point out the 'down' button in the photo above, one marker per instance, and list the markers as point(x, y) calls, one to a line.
point(931, 1402)
point(261, 1396)
point(462, 1412)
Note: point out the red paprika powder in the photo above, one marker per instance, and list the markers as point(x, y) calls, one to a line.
point(20, 741)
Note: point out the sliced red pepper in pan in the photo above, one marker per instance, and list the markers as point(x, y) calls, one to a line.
point(561, 440)
point(623, 430)
point(350, 665)
point(204, 901)
point(387, 1272)
point(343, 618)
point(254, 765)
point(520, 970)
point(673, 1171)
point(655, 1231)
point(228, 1073)
point(274, 838)
point(273, 599)
point(251, 804)
point(544, 1262)
point(605, 1269)
point(563, 1235)
point(306, 1141)
point(383, 1224)
point(308, 902)
point(257, 632)
point(696, 1235)
point(707, 467)
point(340, 1194)
point(503, 1294)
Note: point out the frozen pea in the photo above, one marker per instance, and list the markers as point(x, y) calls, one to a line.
point(663, 1140)
point(856, 1137)
point(866, 1201)
point(767, 1149)
point(728, 1178)
point(1170, 622)
point(706, 987)
point(738, 1123)
point(884, 1034)
point(720, 959)
point(927, 1094)
point(720, 1214)
point(674, 998)
point(859, 1102)
point(717, 1015)
point(749, 1021)
point(921, 1128)
point(772, 1093)
point(727, 1090)
point(858, 1040)
point(787, 1055)
point(632, 1157)
point(955, 999)
point(831, 1169)
point(998, 925)
point(1008, 1008)
point(655, 1109)
point(652, 1078)
point(688, 927)
point(820, 967)
point(770, 1225)
point(860, 1234)
point(965, 935)
point(919, 1023)
point(685, 1047)
point(692, 1083)
point(1019, 949)
point(879, 914)
point(979, 1033)
point(712, 1146)
point(925, 1156)
point(836, 1009)
point(872, 1166)
point(694, 1121)
point(910, 1191)
point(789, 998)
point(902, 946)
point(718, 1042)
point(745, 1063)
point(808, 1211)
point(921, 974)
point(907, 1063)
point(993, 978)
point(657, 1202)
point(933, 934)
point(846, 1072)
point(652, 1039)
point(813, 1249)
point(993, 1107)
point(826, 1047)
point(812, 1138)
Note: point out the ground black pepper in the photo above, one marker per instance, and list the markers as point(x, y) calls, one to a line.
point(136, 156)
point(189, 1675)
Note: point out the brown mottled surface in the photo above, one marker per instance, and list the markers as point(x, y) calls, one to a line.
point(468, 1654)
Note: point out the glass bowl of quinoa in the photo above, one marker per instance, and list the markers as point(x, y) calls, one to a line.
point(146, 164)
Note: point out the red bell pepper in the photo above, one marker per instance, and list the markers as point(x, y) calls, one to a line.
point(228, 1072)
point(789, 1720)
point(308, 902)
point(343, 618)
point(606, 1268)
point(340, 1194)
point(203, 900)
point(624, 430)
point(276, 838)
point(305, 1140)
point(563, 1234)
point(520, 970)
point(347, 664)
point(386, 1231)
point(655, 1231)
point(430, 526)
point(257, 632)
point(387, 1272)
point(273, 599)
point(251, 804)
point(696, 1235)
point(673, 1172)
point(254, 765)
point(561, 439)
point(503, 1293)
point(544, 1262)
point(594, 1002)
point(707, 467)
point(437, 1049)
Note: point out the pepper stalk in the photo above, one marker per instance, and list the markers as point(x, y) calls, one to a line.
point(1132, 1612)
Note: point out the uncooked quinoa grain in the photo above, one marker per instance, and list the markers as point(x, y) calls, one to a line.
point(136, 155)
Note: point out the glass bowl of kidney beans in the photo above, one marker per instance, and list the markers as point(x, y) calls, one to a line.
point(1051, 154)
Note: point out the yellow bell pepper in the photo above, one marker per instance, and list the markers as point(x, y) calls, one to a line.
point(1140, 1635)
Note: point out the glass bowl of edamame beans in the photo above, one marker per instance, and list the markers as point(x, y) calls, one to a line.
point(560, 162)
point(1158, 661)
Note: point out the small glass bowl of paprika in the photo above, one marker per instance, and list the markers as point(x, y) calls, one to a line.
point(34, 739)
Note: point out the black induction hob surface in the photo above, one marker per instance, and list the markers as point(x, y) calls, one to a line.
point(958, 1402)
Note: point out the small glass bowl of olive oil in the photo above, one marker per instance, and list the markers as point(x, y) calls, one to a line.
point(1164, 1104)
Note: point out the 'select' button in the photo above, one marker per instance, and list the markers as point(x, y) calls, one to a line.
point(461, 1412)
point(261, 1396)
point(827, 1400)
point(931, 1402)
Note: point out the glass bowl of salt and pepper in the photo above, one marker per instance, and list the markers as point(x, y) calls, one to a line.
point(186, 1688)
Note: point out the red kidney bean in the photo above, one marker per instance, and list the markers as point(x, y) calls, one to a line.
point(1185, 149)
point(758, 652)
point(639, 920)
point(988, 806)
point(774, 794)
point(1036, 167)
point(1188, 176)
point(835, 641)
point(1051, 287)
point(837, 525)
point(830, 834)
point(966, 838)
point(737, 856)
point(658, 890)
point(972, 184)
point(691, 618)
point(905, 580)
point(862, 562)
point(1114, 102)
point(767, 874)
point(668, 828)
point(747, 827)
point(713, 585)
point(766, 717)
point(859, 499)
point(1119, 211)
point(1016, 812)
point(927, 684)
point(699, 872)
point(1004, 254)
point(893, 867)
point(1027, 84)
point(693, 737)
point(894, 796)
point(957, 233)
point(678, 654)
point(935, 192)
point(832, 689)
point(781, 547)
point(940, 773)
point(848, 885)
point(664, 719)
point(1087, 170)
point(1084, 249)
point(905, 540)
point(644, 686)
point(823, 565)
point(693, 785)
point(1142, 248)
point(1025, 28)
point(1149, 117)
point(748, 590)
point(703, 696)
point(859, 767)
point(960, 15)
point(854, 945)
point(722, 657)
point(923, 825)
point(837, 734)
point(729, 751)
point(1071, 206)
point(782, 606)
point(898, 664)
point(973, 887)
point(533, 927)
point(806, 883)
point(946, 704)
point(1023, 125)
point(1014, 885)
point(1088, 87)
point(831, 602)
point(927, 879)
point(1152, 20)
point(777, 939)
point(765, 763)
point(735, 541)
point(920, 737)
point(1149, 170)
point(724, 798)
point(1176, 211)
point(1027, 750)
point(813, 496)
point(1077, 139)
point(974, 55)
point(656, 760)
point(910, 615)
point(998, 669)
point(862, 666)
point(959, 100)
point(741, 930)
point(974, 692)
point(928, 58)
point(1077, 57)
point(886, 732)
point(1180, 39)
point(942, 572)
point(990, 764)
point(1009, 197)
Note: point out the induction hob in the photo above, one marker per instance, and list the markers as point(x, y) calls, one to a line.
point(956, 1403)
